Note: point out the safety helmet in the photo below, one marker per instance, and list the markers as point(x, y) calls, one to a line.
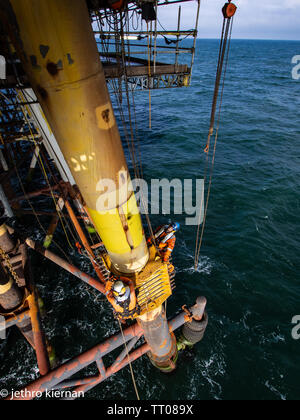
point(176, 226)
point(119, 288)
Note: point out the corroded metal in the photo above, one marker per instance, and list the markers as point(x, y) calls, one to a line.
point(59, 378)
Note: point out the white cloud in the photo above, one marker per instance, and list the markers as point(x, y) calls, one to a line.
point(267, 19)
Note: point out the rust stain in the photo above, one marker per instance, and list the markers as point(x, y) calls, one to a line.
point(164, 343)
point(52, 68)
point(105, 115)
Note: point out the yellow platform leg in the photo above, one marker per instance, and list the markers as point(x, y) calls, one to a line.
point(58, 50)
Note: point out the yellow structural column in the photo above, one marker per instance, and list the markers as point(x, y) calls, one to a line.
point(56, 44)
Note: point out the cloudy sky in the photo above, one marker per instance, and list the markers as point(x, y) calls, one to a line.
point(258, 19)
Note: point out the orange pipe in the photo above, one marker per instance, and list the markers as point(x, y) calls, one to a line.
point(39, 341)
point(84, 240)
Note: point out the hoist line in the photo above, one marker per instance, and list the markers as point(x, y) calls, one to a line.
point(225, 48)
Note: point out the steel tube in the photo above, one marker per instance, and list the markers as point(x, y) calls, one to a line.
point(84, 240)
point(57, 47)
point(112, 370)
point(157, 334)
point(38, 336)
point(67, 266)
point(10, 322)
point(63, 264)
point(61, 374)
point(75, 365)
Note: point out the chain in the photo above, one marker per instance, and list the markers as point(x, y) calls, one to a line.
point(6, 258)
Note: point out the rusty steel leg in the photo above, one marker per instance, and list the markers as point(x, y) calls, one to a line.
point(125, 352)
point(63, 263)
point(67, 266)
point(58, 378)
point(162, 343)
point(38, 336)
point(136, 354)
point(84, 240)
point(25, 328)
point(76, 382)
point(14, 320)
point(75, 365)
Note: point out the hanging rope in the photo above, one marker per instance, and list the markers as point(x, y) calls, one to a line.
point(129, 362)
point(228, 13)
point(149, 43)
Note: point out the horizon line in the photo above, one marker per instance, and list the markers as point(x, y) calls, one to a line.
point(253, 39)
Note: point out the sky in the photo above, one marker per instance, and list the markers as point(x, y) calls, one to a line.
point(255, 19)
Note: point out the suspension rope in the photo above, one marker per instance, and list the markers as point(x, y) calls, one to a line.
point(223, 55)
point(130, 364)
point(149, 42)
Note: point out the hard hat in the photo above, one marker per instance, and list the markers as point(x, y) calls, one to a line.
point(176, 226)
point(119, 288)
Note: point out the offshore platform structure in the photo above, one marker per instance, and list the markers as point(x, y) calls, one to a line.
point(63, 59)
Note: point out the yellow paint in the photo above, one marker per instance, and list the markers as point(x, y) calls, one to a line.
point(60, 56)
point(186, 81)
point(3, 229)
point(6, 287)
point(111, 230)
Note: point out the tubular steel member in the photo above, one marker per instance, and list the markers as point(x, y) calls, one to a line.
point(56, 44)
point(84, 240)
point(59, 377)
point(77, 364)
point(63, 264)
point(163, 354)
point(40, 344)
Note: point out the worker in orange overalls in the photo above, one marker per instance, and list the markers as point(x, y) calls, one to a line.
point(165, 239)
point(120, 293)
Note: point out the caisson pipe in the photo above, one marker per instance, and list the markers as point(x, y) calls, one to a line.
point(163, 353)
point(56, 44)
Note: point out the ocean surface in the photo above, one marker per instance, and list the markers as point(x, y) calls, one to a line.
point(249, 265)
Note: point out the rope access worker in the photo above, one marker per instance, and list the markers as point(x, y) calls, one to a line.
point(121, 294)
point(165, 238)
